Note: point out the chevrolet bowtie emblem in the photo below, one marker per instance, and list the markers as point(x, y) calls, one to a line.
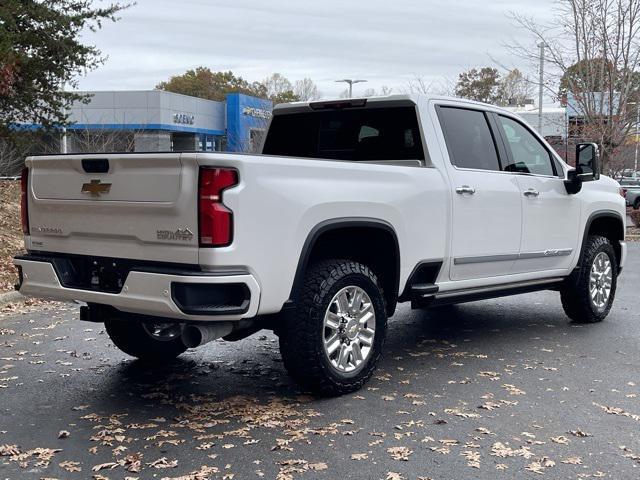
point(95, 188)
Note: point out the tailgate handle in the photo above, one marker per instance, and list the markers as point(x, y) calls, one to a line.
point(95, 165)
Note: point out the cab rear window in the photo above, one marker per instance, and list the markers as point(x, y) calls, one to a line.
point(366, 134)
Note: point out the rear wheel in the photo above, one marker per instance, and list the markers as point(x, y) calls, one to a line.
point(155, 341)
point(636, 204)
point(333, 341)
point(588, 295)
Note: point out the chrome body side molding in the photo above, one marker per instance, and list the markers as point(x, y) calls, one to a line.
point(556, 252)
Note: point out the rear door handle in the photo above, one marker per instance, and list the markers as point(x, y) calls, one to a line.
point(532, 192)
point(465, 189)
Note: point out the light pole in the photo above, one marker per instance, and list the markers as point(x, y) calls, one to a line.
point(635, 162)
point(541, 87)
point(350, 82)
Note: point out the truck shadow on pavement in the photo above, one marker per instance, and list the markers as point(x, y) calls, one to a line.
point(417, 341)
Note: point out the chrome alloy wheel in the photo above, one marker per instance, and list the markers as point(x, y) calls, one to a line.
point(349, 329)
point(600, 279)
point(163, 332)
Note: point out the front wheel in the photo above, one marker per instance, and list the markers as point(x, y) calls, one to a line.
point(156, 341)
point(588, 295)
point(333, 341)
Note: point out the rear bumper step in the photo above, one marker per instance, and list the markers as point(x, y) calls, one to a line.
point(193, 296)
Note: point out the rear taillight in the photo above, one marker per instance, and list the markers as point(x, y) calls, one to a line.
point(24, 195)
point(623, 192)
point(215, 220)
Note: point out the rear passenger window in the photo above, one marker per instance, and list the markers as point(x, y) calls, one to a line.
point(358, 134)
point(469, 138)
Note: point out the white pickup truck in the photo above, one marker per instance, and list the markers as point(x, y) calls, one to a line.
point(352, 207)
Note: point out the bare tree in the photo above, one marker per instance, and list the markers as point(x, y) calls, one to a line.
point(279, 89)
point(622, 160)
point(306, 90)
point(100, 141)
point(11, 157)
point(514, 88)
point(16, 147)
point(418, 85)
point(372, 92)
point(593, 49)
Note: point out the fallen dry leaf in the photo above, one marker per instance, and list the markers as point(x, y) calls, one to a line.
point(104, 466)
point(560, 439)
point(359, 456)
point(70, 466)
point(399, 453)
point(394, 476)
point(472, 457)
point(9, 450)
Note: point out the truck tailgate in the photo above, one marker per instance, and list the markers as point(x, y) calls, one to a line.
point(140, 206)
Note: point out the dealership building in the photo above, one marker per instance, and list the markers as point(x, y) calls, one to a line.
point(155, 120)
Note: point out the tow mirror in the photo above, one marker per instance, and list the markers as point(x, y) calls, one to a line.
point(587, 167)
point(588, 161)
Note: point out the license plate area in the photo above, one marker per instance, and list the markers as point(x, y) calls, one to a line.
point(92, 273)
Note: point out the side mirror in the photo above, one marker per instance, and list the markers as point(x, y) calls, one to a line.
point(587, 162)
point(573, 183)
point(587, 167)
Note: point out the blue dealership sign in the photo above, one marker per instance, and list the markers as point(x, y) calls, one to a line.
point(247, 119)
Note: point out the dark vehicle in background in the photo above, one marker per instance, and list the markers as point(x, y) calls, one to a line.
point(632, 196)
point(631, 191)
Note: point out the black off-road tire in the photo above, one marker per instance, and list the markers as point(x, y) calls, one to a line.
point(132, 338)
point(575, 295)
point(636, 204)
point(302, 334)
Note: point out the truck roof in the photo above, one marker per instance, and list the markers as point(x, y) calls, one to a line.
point(394, 99)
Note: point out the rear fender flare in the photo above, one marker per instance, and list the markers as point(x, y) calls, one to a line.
point(335, 224)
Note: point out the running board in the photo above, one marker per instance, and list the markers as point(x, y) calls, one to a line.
point(422, 290)
point(484, 293)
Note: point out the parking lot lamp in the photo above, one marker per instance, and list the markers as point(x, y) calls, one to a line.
point(350, 82)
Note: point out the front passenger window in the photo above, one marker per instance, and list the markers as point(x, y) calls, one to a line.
point(528, 155)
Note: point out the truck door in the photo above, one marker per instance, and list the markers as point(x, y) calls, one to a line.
point(487, 211)
point(550, 216)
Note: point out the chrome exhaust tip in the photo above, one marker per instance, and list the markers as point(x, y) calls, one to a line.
point(197, 335)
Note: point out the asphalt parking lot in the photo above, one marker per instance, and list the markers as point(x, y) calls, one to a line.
point(497, 389)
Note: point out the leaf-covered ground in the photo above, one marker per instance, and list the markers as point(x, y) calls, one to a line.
point(493, 390)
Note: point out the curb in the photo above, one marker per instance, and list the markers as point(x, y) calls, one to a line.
point(11, 297)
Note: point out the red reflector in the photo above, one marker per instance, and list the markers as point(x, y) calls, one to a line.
point(24, 195)
point(215, 220)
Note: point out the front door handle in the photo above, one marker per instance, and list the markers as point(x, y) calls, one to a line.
point(532, 192)
point(465, 189)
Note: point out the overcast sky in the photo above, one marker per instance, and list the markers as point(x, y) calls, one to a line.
point(386, 42)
